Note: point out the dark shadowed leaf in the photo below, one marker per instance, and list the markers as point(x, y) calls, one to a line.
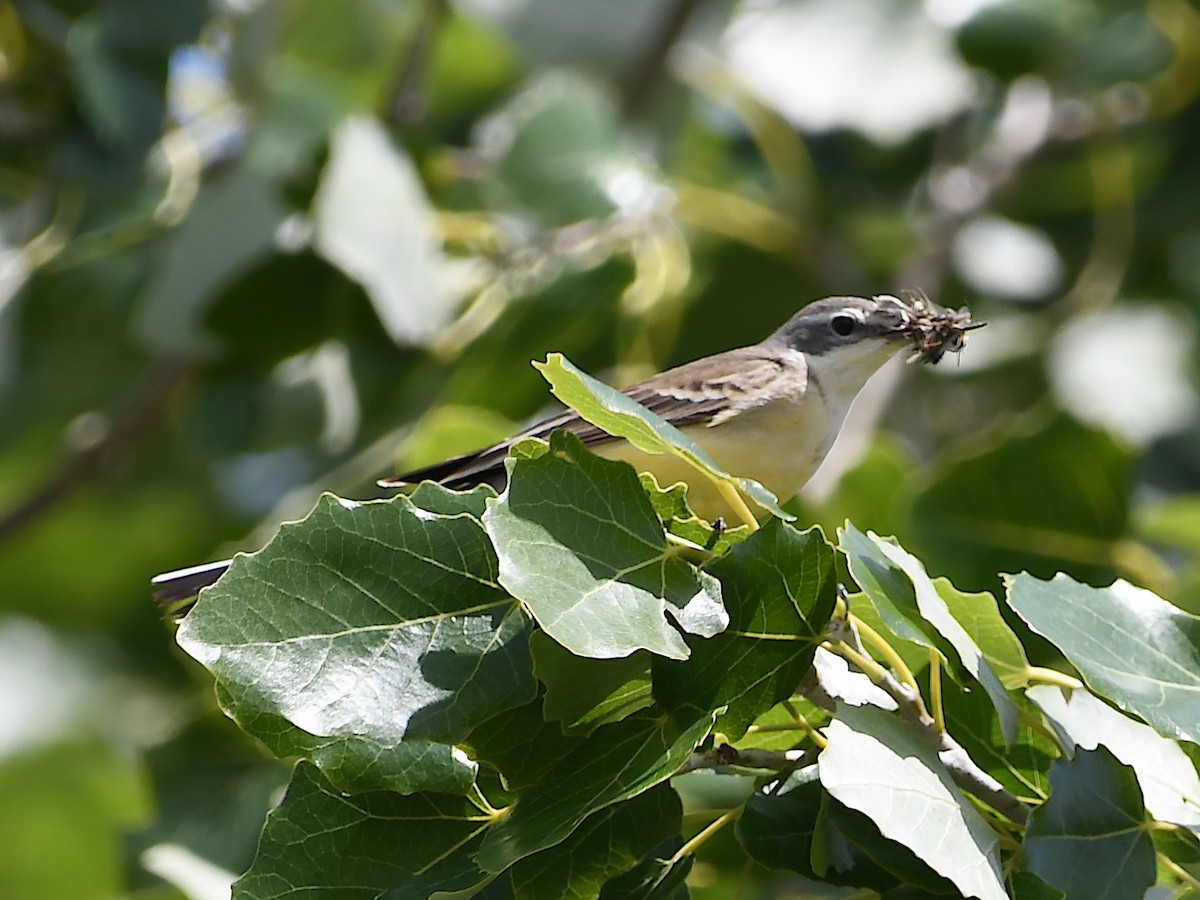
point(521, 744)
point(609, 843)
point(655, 878)
point(581, 547)
point(1130, 645)
point(615, 763)
point(582, 692)
point(1089, 839)
point(323, 843)
point(788, 830)
point(1027, 886)
point(779, 587)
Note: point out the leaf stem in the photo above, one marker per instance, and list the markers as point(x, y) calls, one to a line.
point(806, 726)
point(705, 834)
point(1043, 675)
point(935, 690)
point(1033, 723)
point(1179, 871)
point(889, 654)
point(731, 496)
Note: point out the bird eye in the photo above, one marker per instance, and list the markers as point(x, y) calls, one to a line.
point(843, 324)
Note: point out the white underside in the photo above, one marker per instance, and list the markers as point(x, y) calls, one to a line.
point(780, 445)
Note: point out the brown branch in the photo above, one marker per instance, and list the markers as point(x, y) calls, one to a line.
point(962, 769)
point(406, 103)
point(108, 443)
point(640, 84)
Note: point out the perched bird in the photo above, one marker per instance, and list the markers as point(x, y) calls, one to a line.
point(769, 412)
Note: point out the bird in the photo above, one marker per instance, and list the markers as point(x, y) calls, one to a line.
point(769, 411)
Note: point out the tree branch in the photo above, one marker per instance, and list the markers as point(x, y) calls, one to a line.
point(105, 444)
point(966, 774)
point(640, 84)
point(406, 103)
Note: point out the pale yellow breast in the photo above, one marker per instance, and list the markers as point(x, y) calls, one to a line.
point(779, 445)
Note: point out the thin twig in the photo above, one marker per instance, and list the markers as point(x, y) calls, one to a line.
point(966, 774)
point(724, 756)
point(113, 442)
point(406, 103)
point(640, 85)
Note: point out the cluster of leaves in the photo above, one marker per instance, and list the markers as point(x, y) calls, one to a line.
point(250, 251)
point(498, 691)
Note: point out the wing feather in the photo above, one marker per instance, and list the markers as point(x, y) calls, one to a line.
point(696, 393)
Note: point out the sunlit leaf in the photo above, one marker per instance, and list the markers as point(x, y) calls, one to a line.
point(1166, 776)
point(581, 547)
point(875, 765)
point(893, 577)
point(619, 415)
point(1130, 645)
point(979, 615)
point(375, 623)
point(373, 221)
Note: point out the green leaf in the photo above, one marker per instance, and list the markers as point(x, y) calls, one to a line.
point(979, 616)
point(779, 586)
point(230, 228)
point(551, 146)
point(321, 842)
point(64, 811)
point(853, 687)
point(356, 764)
point(789, 830)
point(624, 417)
point(615, 763)
point(1130, 645)
point(1089, 839)
point(581, 547)
point(1167, 778)
point(655, 878)
point(914, 655)
point(521, 744)
point(670, 504)
point(372, 220)
point(1027, 886)
point(875, 765)
point(1020, 766)
point(888, 565)
point(609, 843)
point(582, 692)
point(889, 589)
point(373, 623)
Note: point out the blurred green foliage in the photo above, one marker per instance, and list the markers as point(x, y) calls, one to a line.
point(200, 328)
